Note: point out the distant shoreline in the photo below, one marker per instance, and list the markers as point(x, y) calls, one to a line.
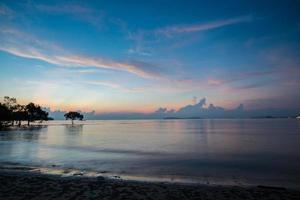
point(166, 118)
point(37, 124)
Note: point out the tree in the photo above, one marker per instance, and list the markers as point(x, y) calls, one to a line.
point(11, 104)
point(31, 112)
point(10, 111)
point(5, 116)
point(73, 116)
point(34, 112)
point(20, 114)
point(42, 115)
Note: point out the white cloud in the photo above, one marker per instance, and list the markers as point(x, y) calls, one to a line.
point(177, 29)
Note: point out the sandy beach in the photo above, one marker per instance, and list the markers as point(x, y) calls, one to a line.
point(23, 184)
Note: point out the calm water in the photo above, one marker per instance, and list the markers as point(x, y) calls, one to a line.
point(249, 151)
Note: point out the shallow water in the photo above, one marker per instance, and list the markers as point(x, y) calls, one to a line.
point(246, 151)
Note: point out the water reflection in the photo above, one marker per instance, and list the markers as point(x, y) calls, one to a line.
point(189, 148)
point(31, 133)
point(73, 129)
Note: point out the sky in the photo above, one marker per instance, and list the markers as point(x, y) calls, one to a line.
point(138, 56)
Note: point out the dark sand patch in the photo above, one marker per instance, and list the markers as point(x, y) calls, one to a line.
point(30, 185)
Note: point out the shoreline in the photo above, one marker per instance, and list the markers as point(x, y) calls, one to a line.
point(63, 122)
point(56, 170)
point(25, 184)
point(68, 173)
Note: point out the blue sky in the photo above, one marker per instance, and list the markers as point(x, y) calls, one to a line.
point(136, 56)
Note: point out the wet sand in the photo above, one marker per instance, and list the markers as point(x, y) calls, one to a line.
point(18, 184)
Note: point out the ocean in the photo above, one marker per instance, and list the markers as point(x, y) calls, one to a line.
point(209, 151)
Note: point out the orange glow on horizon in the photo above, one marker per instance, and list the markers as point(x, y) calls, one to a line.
point(117, 108)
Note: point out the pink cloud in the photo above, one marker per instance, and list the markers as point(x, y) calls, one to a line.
point(29, 47)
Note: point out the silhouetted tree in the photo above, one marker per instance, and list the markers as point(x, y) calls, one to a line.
point(11, 104)
point(73, 115)
point(10, 111)
point(5, 115)
point(31, 112)
point(34, 112)
point(20, 114)
point(42, 115)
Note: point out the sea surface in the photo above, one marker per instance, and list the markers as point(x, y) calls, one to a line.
point(226, 151)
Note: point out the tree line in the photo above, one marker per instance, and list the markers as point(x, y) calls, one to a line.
point(12, 113)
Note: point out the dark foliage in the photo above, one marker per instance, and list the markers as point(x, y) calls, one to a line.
point(73, 115)
point(11, 112)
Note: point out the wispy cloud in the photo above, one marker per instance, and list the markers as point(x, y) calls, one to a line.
point(139, 70)
point(29, 53)
point(79, 61)
point(51, 53)
point(36, 49)
point(144, 40)
point(177, 29)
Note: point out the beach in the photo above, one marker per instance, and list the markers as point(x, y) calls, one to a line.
point(24, 184)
